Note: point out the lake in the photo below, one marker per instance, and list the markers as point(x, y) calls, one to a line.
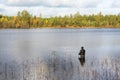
point(52, 54)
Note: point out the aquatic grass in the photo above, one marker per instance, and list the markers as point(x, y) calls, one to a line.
point(61, 67)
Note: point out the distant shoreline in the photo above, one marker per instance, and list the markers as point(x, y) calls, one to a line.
point(29, 21)
point(68, 27)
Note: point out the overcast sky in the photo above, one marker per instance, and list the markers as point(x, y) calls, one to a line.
point(59, 7)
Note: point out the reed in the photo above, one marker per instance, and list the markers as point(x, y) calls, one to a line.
point(61, 67)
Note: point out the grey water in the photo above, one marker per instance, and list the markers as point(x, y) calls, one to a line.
point(59, 47)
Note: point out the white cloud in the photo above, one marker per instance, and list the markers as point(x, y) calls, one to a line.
point(2, 7)
point(22, 3)
point(116, 4)
point(51, 11)
point(55, 3)
point(109, 4)
point(60, 7)
point(65, 3)
point(1, 1)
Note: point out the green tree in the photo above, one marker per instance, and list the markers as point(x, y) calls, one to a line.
point(25, 18)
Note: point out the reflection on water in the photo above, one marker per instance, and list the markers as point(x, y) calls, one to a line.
point(82, 60)
point(52, 54)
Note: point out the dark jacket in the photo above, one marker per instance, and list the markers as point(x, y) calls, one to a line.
point(82, 52)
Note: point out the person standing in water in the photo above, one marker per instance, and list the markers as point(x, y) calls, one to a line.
point(82, 52)
point(82, 56)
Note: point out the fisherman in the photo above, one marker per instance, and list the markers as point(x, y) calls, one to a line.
point(82, 56)
point(82, 52)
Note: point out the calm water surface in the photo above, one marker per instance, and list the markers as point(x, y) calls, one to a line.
point(64, 44)
point(34, 42)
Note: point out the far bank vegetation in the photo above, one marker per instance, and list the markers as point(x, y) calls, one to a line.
point(26, 20)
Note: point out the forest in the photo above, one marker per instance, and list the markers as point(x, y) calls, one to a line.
point(25, 20)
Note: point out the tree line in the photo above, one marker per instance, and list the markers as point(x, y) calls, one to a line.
point(26, 20)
